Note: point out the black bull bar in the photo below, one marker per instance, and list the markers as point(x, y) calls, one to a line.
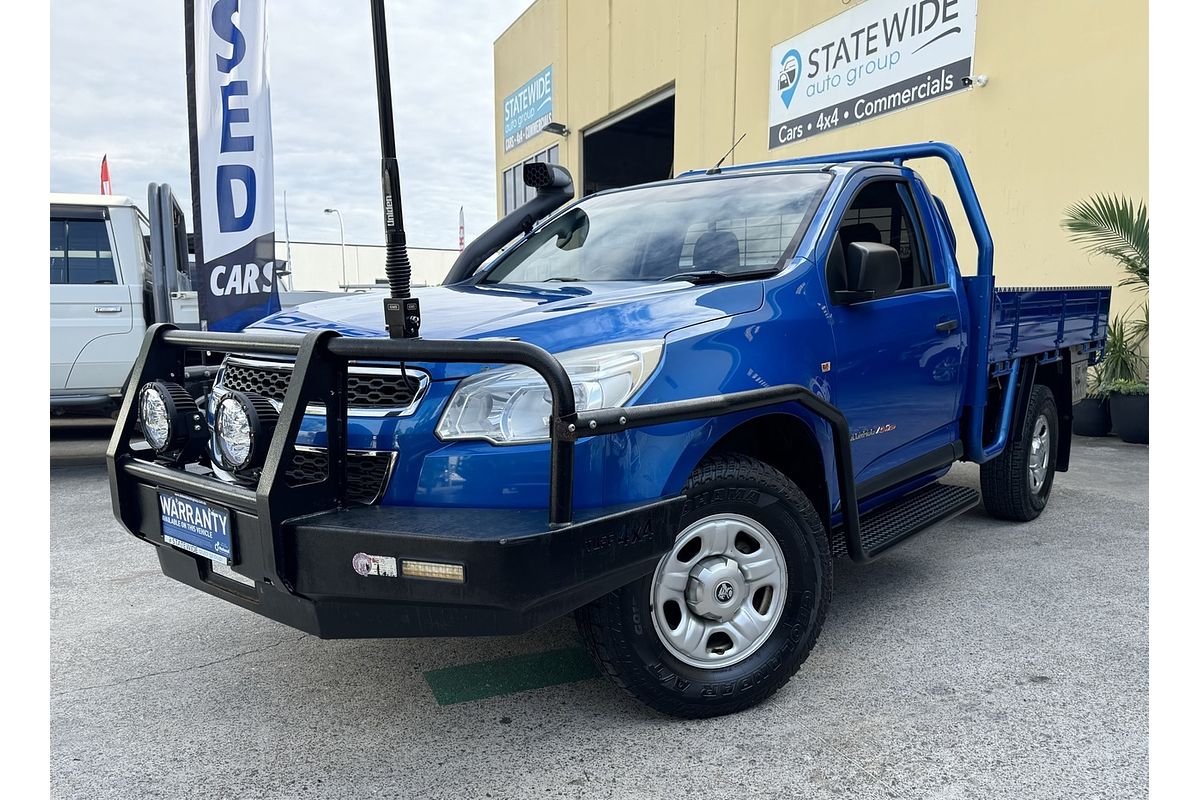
point(294, 545)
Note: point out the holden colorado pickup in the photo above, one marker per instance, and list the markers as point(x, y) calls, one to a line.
point(664, 409)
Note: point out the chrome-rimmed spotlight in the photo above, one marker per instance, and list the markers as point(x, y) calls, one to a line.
point(243, 423)
point(171, 423)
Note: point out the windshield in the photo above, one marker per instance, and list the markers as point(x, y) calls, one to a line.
point(726, 225)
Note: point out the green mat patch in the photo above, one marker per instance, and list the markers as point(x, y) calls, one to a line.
point(503, 676)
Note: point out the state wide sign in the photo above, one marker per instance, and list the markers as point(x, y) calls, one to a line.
point(529, 109)
point(878, 57)
point(233, 193)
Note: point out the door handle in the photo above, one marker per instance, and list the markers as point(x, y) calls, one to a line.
point(108, 309)
point(945, 326)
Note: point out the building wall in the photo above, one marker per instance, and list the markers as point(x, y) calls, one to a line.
point(1063, 116)
point(318, 265)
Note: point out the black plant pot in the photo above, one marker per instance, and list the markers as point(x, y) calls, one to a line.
point(1131, 417)
point(1091, 417)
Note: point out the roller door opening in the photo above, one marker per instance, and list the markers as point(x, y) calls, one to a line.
point(636, 147)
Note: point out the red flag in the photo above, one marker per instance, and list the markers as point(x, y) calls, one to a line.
point(105, 182)
point(461, 226)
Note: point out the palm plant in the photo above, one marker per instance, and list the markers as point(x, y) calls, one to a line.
point(1108, 225)
point(1111, 226)
point(1123, 361)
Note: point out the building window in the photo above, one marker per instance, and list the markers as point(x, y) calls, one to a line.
point(516, 193)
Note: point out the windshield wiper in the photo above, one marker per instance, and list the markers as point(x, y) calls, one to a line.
point(562, 279)
point(716, 276)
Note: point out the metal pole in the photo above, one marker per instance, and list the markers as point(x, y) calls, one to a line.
point(342, 231)
point(401, 311)
point(285, 279)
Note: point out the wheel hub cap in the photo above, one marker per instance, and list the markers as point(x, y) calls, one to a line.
point(719, 593)
point(715, 588)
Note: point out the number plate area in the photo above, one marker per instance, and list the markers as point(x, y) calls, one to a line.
point(196, 526)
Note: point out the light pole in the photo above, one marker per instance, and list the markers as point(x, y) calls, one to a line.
point(342, 229)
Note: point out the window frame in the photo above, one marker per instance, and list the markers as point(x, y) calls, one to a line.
point(920, 236)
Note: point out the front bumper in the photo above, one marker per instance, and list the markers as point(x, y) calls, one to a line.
point(295, 543)
point(519, 571)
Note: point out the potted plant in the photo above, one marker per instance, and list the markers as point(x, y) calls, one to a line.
point(1091, 416)
point(1111, 226)
point(1130, 403)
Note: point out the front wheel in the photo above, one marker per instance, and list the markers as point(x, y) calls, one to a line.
point(734, 607)
point(1016, 484)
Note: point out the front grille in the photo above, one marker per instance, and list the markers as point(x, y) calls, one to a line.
point(373, 391)
point(270, 383)
point(366, 473)
point(364, 389)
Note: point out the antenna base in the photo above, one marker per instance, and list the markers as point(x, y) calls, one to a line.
point(402, 316)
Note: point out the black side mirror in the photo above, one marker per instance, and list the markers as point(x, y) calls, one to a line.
point(872, 272)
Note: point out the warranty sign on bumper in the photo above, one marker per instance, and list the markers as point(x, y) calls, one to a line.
point(196, 526)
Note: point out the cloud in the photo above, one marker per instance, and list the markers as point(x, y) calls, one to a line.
point(118, 87)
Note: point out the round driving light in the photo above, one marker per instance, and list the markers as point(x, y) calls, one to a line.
point(169, 418)
point(156, 420)
point(243, 424)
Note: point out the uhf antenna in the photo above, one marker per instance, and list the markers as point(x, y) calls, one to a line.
point(401, 312)
point(717, 167)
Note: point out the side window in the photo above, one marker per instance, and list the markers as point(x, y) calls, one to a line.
point(58, 251)
point(80, 252)
point(144, 235)
point(884, 212)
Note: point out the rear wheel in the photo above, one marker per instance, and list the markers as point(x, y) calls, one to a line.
point(732, 610)
point(1016, 484)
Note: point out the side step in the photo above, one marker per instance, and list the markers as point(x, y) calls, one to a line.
point(893, 523)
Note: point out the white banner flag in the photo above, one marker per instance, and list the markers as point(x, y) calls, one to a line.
point(229, 115)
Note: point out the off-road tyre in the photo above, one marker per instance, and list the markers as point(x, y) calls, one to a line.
point(1005, 482)
point(621, 635)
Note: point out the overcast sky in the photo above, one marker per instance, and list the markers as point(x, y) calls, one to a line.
point(117, 86)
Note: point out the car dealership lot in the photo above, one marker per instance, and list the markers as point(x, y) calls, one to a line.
point(982, 659)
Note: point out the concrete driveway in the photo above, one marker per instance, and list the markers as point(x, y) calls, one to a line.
point(980, 660)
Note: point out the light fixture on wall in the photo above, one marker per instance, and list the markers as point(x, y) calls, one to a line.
point(556, 128)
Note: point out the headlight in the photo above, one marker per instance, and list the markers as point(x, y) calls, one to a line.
point(244, 423)
point(512, 404)
point(170, 419)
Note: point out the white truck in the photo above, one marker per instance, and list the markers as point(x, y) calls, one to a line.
point(99, 269)
point(110, 277)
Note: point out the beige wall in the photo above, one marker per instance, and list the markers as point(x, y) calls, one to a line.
point(1064, 115)
point(318, 265)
